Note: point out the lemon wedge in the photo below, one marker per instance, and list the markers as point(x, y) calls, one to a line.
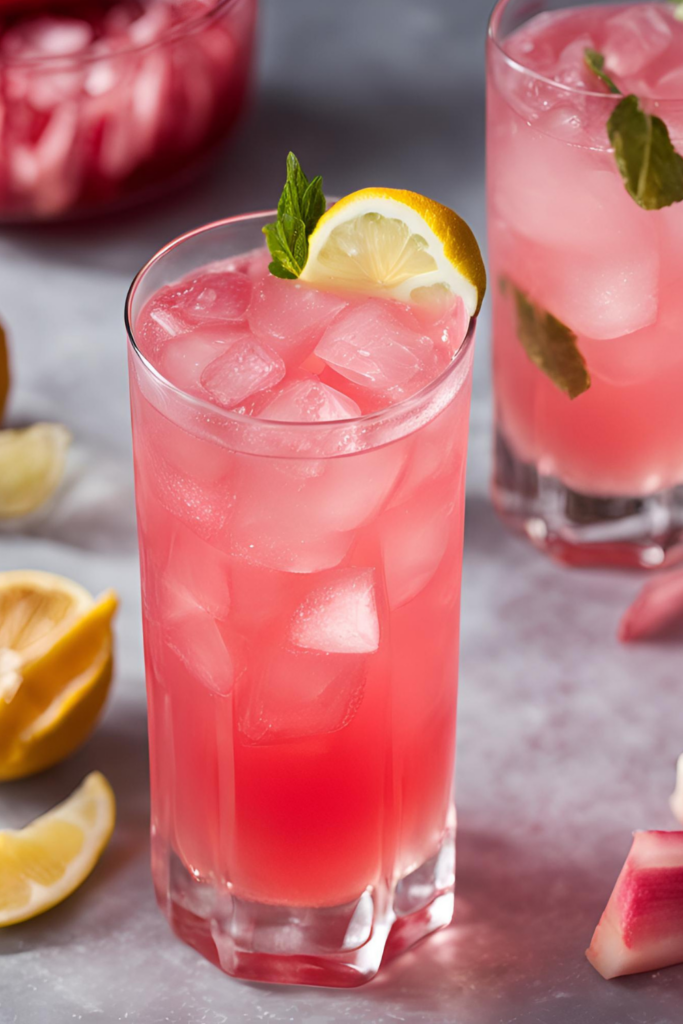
point(396, 244)
point(4, 371)
point(55, 668)
point(32, 464)
point(43, 863)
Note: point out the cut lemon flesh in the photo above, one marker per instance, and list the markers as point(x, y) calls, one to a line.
point(32, 464)
point(396, 244)
point(55, 668)
point(43, 863)
point(36, 606)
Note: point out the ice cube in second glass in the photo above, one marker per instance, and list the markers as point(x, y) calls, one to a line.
point(635, 38)
point(372, 345)
point(245, 368)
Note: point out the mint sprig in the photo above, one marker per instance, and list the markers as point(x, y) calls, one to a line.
point(301, 206)
point(596, 63)
point(651, 168)
point(549, 344)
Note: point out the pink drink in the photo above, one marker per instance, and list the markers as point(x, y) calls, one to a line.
point(300, 460)
point(597, 478)
point(101, 100)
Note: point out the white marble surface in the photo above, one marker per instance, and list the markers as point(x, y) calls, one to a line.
point(566, 741)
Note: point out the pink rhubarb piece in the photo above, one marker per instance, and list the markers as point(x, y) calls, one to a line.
point(641, 928)
point(658, 606)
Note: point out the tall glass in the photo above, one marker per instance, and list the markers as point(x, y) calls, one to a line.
point(302, 817)
point(596, 478)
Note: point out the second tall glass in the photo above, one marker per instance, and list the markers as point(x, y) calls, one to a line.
point(589, 455)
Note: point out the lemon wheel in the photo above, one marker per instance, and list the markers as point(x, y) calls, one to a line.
point(396, 244)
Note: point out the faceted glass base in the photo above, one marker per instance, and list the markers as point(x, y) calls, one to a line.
point(584, 530)
point(331, 946)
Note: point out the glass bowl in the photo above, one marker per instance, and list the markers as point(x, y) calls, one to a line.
point(101, 102)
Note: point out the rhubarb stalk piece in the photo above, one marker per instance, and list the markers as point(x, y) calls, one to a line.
point(641, 928)
point(676, 801)
point(658, 606)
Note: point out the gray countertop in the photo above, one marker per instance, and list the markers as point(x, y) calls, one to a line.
point(567, 741)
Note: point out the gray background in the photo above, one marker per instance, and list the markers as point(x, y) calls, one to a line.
point(566, 741)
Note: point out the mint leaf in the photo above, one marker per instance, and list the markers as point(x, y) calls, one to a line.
point(650, 166)
point(549, 344)
point(301, 206)
point(595, 63)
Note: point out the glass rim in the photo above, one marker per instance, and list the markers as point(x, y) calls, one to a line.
point(494, 36)
point(404, 406)
point(91, 56)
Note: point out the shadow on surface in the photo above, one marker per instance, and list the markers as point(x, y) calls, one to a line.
point(505, 939)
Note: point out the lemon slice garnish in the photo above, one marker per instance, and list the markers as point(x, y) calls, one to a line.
point(43, 863)
point(55, 668)
point(32, 464)
point(396, 244)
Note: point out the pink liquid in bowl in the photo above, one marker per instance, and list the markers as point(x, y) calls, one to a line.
point(102, 101)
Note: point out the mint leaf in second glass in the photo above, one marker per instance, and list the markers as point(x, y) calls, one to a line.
point(595, 62)
point(550, 345)
point(650, 166)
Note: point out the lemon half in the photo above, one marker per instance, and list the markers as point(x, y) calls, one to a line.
point(42, 864)
point(55, 668)
point(396, 244)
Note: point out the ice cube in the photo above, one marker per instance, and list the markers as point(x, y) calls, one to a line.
point(186, 593)
point(47, 37)
point(435, 452)
point(198, 641)
point(588, 255)
point(670, 87)
point(297, 695)
point(43, 169)
point(310, 401)
point(186, 475)
point(222, 296)
point(149, 99)
point(370, 345)
point(598, 295)
point(339, 615)
point(414, 538)
point(195, 570)
point(303, 523)
point(635, 38)
point(183, 359)
point(533, 188)
point(154, 20)
point(571, 68)
point(247, 366)
point(291, 317)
